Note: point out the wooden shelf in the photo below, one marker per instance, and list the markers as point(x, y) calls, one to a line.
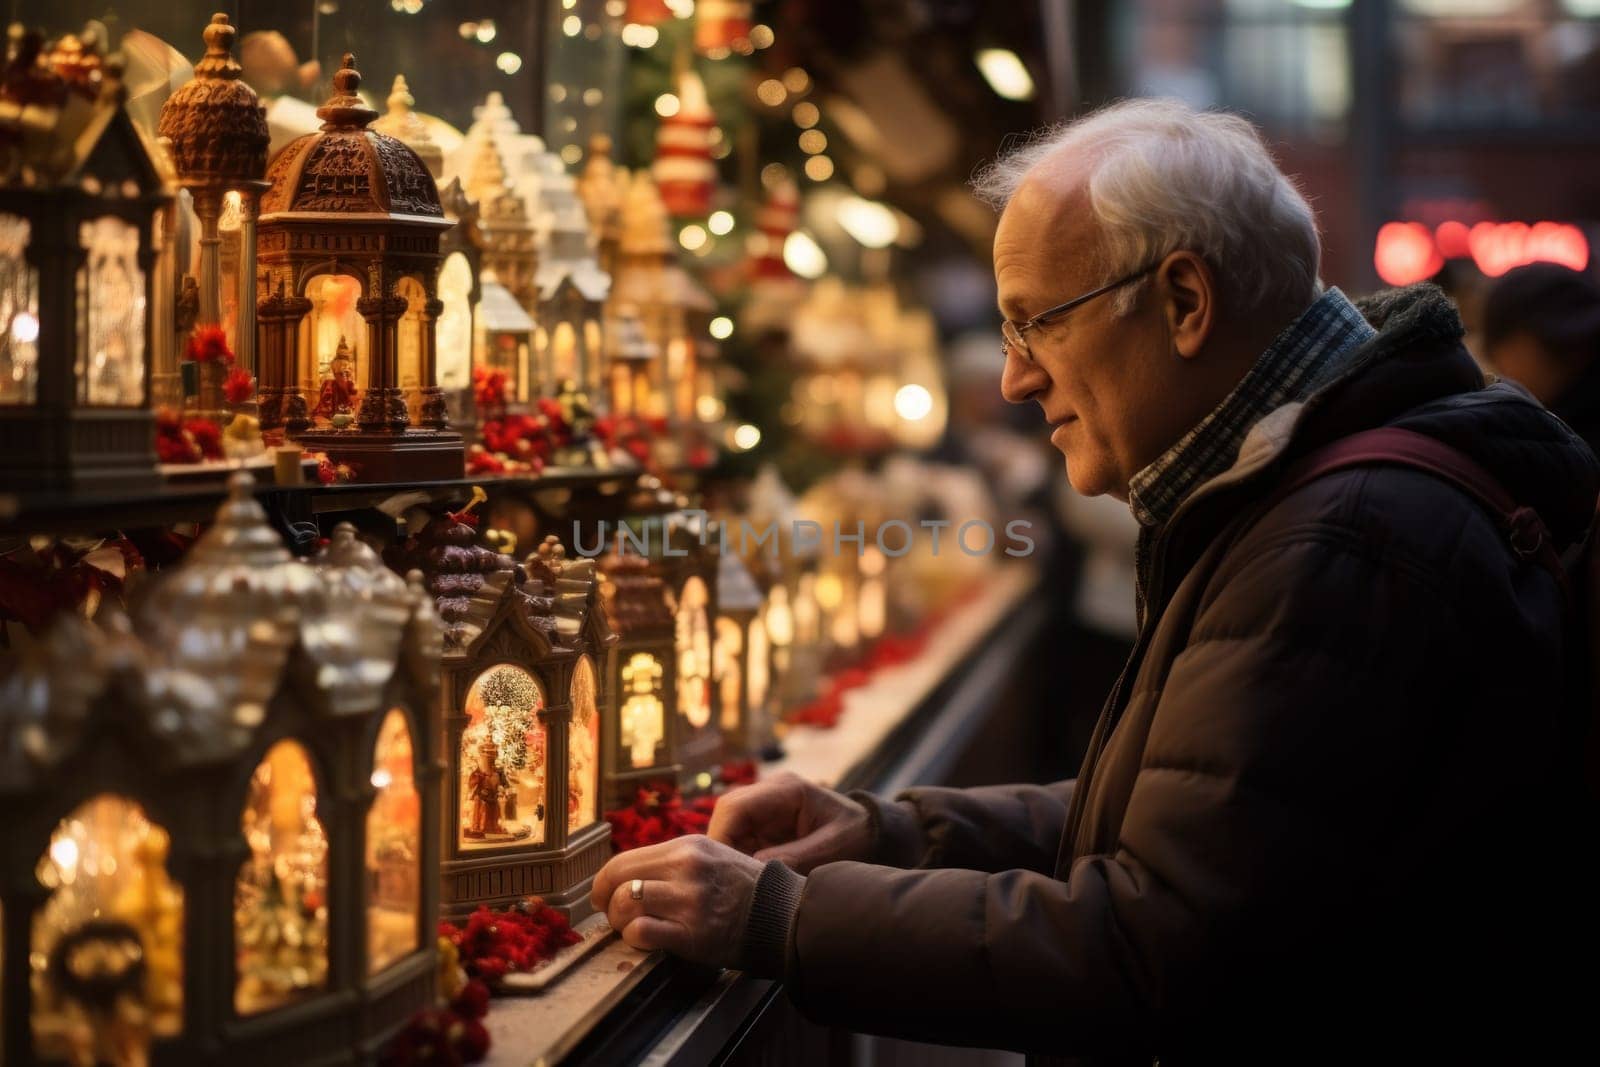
point(107, 511)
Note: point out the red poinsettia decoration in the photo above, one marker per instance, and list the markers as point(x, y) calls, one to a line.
point(438, 1037)
point(495, 944)
point(489, 390)
point(239, 386)
point(209, 344)
point(658, 813)
point(36, 584)
point(180, 440)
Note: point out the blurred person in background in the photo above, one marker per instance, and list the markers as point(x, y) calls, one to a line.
point(1541, 329)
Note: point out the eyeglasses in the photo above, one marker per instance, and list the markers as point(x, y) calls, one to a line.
point(1013, 331)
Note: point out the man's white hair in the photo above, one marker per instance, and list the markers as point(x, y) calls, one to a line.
point(1164, 177)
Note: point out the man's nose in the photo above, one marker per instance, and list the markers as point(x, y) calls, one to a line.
point(1021, 378)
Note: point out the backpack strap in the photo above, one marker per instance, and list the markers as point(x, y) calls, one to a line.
point(1392, 446)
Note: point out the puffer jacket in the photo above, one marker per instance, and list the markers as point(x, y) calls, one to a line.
point(1319, 818)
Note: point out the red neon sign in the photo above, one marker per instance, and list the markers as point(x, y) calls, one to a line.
point(1408, 252)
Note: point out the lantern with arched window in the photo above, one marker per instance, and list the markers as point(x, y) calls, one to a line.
point(81, 201)
point(690, 567)
point(572, 289)
point(349, 253)
point(523, 733)
point(221, 817)
point(642, 724)
point(743, 659)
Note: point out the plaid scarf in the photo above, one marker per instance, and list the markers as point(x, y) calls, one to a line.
point(1298, 361)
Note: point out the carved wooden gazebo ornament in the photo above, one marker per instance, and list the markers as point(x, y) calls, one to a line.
point(217, 130)
point(257, 753)
point(521, 814)
point(347, 200)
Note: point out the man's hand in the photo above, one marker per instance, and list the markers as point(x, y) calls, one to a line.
point(694, 896)
point(788, 818)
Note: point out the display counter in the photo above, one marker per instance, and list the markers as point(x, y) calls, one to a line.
point(907, 726)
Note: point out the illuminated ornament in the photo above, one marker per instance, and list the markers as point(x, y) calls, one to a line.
point(774, 290)
point(403, 124)
point(602, 194)
point(571, 286)
point(229, 865)
point(722, 26)
point(673, 309)
point(684, 168)
point(641, 671)
point(521, 797)
point(348, 208)
point(218, 132)
point(84, 207)
point(1405, 253)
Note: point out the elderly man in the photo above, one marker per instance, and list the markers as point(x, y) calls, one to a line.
point(1318, 817)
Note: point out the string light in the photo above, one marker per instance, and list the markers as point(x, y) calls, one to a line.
point(484, 31)
point(692, 236)
point(771, 92)
point(667, 105)
point(592, 97)
point(572, 25)
point(762, 36)
point(746, 437)
point(508, 62)
point(721, 327)
point(637, 36)
point(806, 114)
point(796, 81)
point(720, 223)
point(813, 141)
point(819, 168)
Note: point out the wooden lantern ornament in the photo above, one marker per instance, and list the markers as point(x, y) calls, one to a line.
point(641, 674)
point(220, 828)
point(81, 201)
point(349, 236)
point(522, 696)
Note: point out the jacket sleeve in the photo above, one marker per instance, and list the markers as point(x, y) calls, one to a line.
point(1293, 684)
point(989, 828)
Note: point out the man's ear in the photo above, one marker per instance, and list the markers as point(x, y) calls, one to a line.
point(1189, 296)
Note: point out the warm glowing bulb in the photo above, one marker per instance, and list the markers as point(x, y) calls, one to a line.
point(484, 31)
point(819, 168)
point(508, 62)
point(830, 592)
point(1005, 73)
point(572, 25)
point(771, 92)
point(720, 223)
point(746, 437)
point(813, 141)
point(381, 778)
point(762, 36)
point(667, 105)
point(913, 403)
point(802, 255)
point(64, 853)
point(721, 327)
point(869, 222)
point(692, 236)
point(806, 114)
point(25, 328)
